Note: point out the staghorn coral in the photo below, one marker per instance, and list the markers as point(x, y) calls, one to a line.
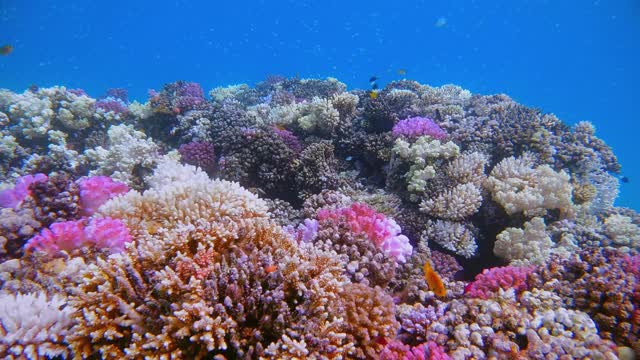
point(34, 326)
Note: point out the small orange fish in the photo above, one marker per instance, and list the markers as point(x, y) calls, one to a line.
point(373, 94)
point(270, 268)
point(6, 50)
point(434, 281)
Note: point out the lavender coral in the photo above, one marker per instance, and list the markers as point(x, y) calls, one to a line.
point(13, 197)
point(415, 127)
point(198, 153)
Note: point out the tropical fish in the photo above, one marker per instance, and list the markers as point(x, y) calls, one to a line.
point(373, 94)
point(6, 50)
point(270, 268)
point(374, 86)
point(433, 280)
point(402, 71)
point(373, 79)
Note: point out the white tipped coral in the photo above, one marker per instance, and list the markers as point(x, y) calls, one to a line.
point(33, 326)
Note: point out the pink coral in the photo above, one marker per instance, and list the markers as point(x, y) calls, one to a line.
point(435, 352)
point(396, 350)
point(96, 190)
point(382, 231)
point(418, 126)
point(105, 233)
point(12, 198)
point(491, 280)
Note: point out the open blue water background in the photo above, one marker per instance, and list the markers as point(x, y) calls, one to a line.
point(575, 58)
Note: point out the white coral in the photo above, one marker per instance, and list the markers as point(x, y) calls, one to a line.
point(622, 231)
point(127, 148)
point(455, 204)
point(33, 326)
point(519, 187)
point(530, 245)
point(453, 236)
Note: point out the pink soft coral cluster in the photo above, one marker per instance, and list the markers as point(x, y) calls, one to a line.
point(104, 233)
point(418, 126)
point(96, 190)
point(13, 197)
point(491, 280)
point(384, 232)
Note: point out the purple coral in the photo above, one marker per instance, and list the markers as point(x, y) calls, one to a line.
point(199, 154)
point(491, 280)
point(188, 95)
point(418, 126)
point(96, 190)
point(111, 104)
point(13, 197)
point(288, 138)
point(78, 92)
point(104, 233)
point(118, 93)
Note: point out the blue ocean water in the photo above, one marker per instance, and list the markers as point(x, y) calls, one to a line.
point(578, 59)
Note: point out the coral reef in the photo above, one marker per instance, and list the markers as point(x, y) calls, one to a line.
point(298, 220)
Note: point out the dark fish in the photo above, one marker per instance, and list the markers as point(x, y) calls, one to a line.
point(374, 86)
point(34, 88)
point(624, 179)
point(6, 50)
point(373, 78)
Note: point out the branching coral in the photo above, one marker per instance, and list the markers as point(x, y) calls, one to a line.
point(208, 273)
point(519, 187)
point(531, 245)
point(127, 149)
point(453, 236)
point(33, 326)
